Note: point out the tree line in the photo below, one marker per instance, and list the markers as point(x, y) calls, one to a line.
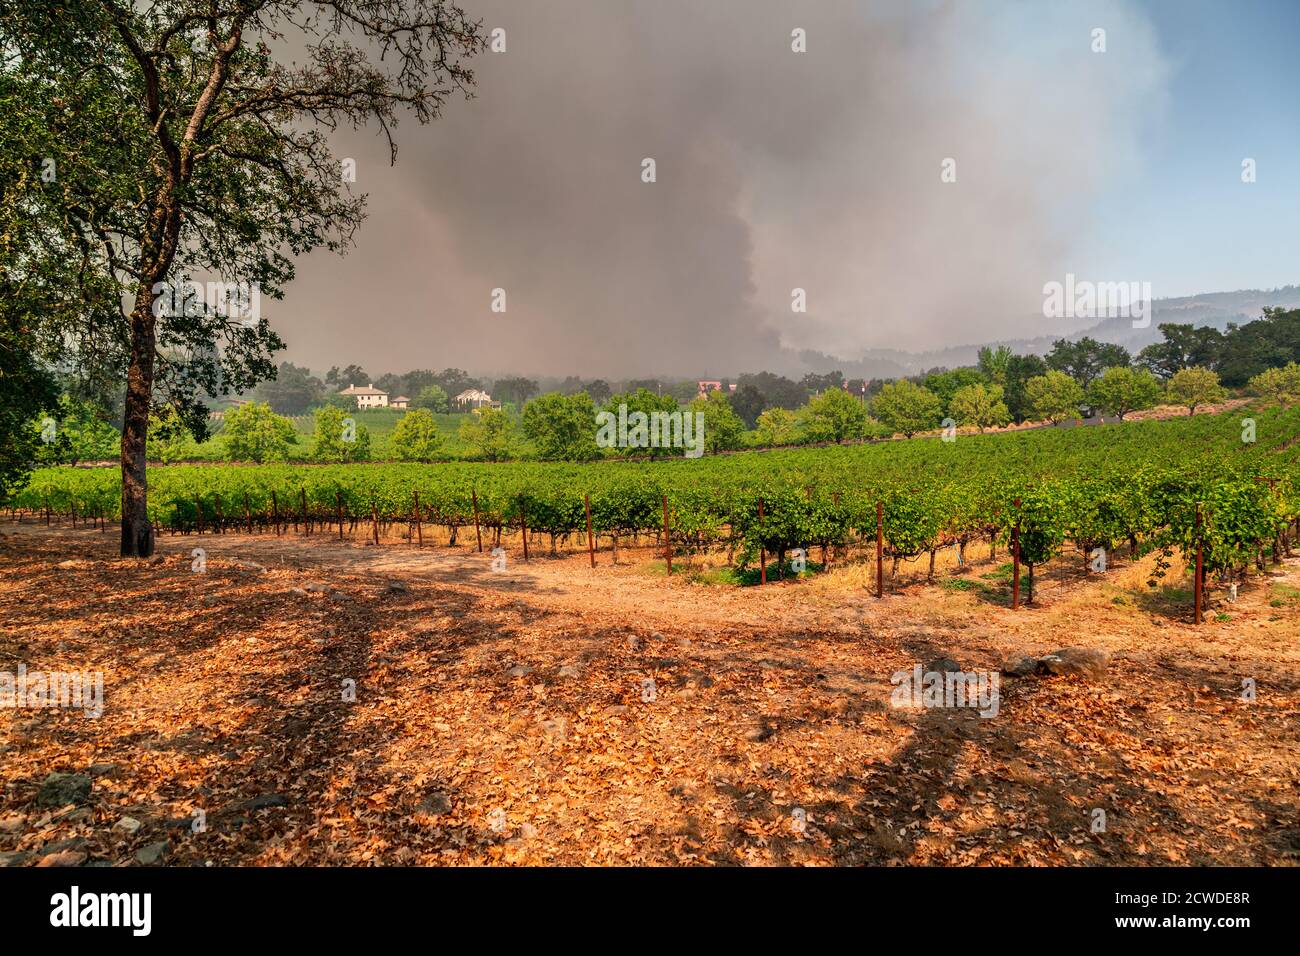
point(1076, 379)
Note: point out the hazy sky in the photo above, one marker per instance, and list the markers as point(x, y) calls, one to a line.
point(818, 170)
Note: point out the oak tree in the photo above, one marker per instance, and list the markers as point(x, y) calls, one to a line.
point(190, 146)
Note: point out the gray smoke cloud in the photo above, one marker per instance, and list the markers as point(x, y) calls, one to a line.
point(775, 170)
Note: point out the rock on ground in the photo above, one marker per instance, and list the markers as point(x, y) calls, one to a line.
point(1080, 661)
point(60, 789)
point(1019, 665)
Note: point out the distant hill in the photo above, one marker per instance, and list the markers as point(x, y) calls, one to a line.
point(1215, 309)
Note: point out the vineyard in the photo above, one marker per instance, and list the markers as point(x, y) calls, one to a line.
point(1182, 485)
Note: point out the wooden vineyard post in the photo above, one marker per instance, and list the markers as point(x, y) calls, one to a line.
point(74, 514)
point(478, 533)
point(880, 549)
point(668, 541)
point(248, 514)
point(1199, 581)
point(1015, 560)
point(275, 513)
point(306, 528)
point(221, 518)
point(47, 512)
point(374, 521)
point(198, 505)
point(338, 512)
point(523, 524)
point(762, 550)
point(827, 554)
point(591, 547)
point(419, 529)
point(1277, 536)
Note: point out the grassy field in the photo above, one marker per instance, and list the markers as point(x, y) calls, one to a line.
point(379, 421)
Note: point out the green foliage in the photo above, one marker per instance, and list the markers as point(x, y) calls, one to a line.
point(599, 391)
point(416, 437)
point(648, 403)
point(255, 433)
point(1054, 396)
point(79, 434)
point(911, 520)
point(748, 403)
point(777, 390)
point(1237, 355)
point(431, 397)
point(946, 384)
point(995, 363)
point(1184, 346)
point(26, 388)
point(514, 391)
point(562, 427)
point(1043, 520)
point(907, 407)
point(191, 141)
point(1085, 359)
point(1195, 386)
point(1269, 342)
point(834, 416)
point(979, 405)
point(723, 429)
point(1281, 385)
point(489, 434)
point(291, 391)
point(1141, 483)
point(338, 437)
point(344, 403)
point(1121, 390)
point(169, 440)
point(1019, 370)
point(777, 426)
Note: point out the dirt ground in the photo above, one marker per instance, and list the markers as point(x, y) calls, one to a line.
point(509, 717)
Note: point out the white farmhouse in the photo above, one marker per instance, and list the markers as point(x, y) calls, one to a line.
point(475, 398)
point(367, 397)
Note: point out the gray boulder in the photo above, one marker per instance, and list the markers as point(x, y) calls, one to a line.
point(61, 789)
point(1019, 665)
point(152, 854)
point(1077, 661)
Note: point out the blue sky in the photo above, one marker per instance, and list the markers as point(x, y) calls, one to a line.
point(1184, 219)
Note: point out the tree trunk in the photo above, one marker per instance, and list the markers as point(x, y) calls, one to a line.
point(158, 250)
point(137, 534)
